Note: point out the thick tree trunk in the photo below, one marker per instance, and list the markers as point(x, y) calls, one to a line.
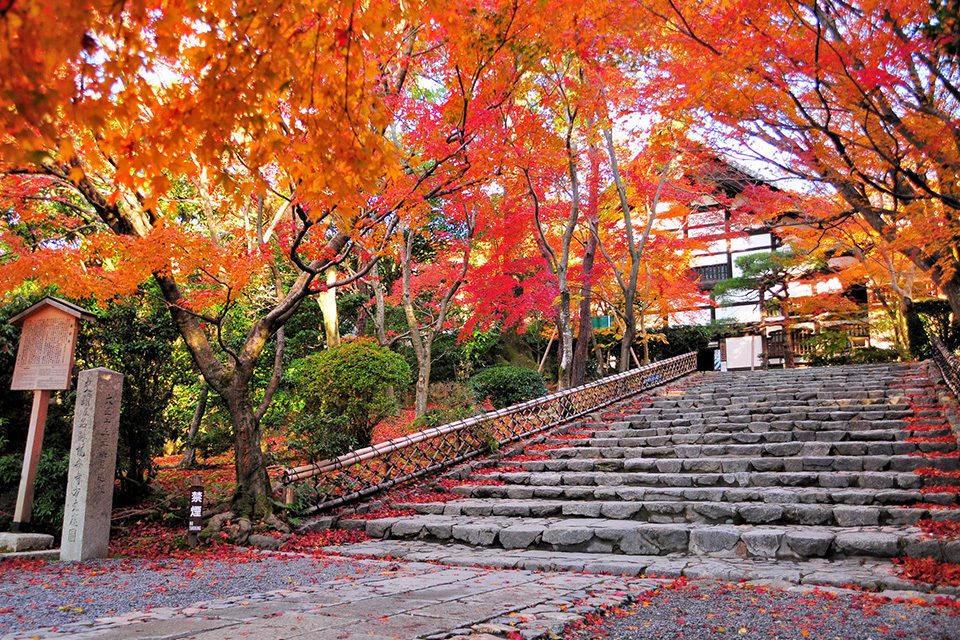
point(951, 289)
point(253, 496)
point(189, 460)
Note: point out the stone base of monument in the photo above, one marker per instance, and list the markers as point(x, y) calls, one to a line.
point(25, 541)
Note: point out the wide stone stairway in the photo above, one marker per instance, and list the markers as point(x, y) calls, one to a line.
point(806, 475)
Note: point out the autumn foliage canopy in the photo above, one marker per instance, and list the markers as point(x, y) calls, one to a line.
point(245, 155)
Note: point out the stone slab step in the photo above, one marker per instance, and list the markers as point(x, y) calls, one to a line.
point(865, 573)
point(815, 409)
point(651, 438)
point(755, 425)
point(896, 456)
point(773, 495)
point(812, 478)
point(667, 511)
point(597, 535)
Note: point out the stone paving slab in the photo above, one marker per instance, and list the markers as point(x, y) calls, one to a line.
point(866, 573)
point(408, 600)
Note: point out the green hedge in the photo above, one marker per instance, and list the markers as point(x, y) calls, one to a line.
point(507, 385)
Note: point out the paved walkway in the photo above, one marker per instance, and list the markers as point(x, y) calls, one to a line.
point(388, 601)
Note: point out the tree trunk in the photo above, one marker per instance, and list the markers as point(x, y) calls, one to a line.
point(421, 346)
point(951, 289)
point(917, 338)
point(601, 357)
point(579, 373)
point(646, 343)
point(565, 330)
point(629, 334)
point(789, 362)
point(423, 386)
point(253, 496)
point(328, 309)
point(189, 460)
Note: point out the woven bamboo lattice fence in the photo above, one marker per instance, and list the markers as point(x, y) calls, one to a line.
point(363, 472)
point(948, 364)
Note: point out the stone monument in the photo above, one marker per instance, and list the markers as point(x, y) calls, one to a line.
point(93, 460)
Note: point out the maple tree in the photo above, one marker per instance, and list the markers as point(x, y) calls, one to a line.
point(297, 172)
point(858, 100)
point(427, 296)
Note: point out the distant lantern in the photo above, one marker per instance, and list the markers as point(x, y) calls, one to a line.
point(44, 363)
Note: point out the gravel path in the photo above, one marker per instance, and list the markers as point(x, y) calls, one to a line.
point(707, 609)
point(41, 594)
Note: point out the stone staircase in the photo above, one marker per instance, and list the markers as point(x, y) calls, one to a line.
point(803, 475)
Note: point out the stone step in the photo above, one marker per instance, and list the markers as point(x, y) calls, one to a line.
point(824, 479)
point(800, 432)
point(840, 401)
point(651, 437)
point(866, 573)
point(805, 391)
point(667, 511)
point(600, 535)
point(685, 418)
point(795, 495)
point(877, 451)
point(902, 420)
point(739, 460)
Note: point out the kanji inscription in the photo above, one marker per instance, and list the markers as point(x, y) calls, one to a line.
point(45, 354)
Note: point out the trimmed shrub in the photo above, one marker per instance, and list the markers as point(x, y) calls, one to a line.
point(350, 381)
point(508, 385)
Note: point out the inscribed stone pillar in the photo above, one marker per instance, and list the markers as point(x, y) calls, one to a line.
point(93, 460)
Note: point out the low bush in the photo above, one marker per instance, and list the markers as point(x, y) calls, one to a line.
point(350, 381)
point(507, 385)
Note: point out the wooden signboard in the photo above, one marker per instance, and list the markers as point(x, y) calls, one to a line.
point(45, 354)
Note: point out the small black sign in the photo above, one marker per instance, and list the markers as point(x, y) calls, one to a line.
point(196, 509)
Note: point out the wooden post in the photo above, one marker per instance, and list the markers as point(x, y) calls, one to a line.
point(31, 456)
point(546, 351)
point(195, 523)
point(289, 495)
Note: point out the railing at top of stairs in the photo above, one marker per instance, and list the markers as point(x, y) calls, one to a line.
point(363, 472)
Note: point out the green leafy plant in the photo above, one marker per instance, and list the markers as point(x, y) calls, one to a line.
point(450, 401)
point(315, 437)
point(834, 348)
point(351, 381)
point(507, 385)
point(828, 346)
point(213, 439)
